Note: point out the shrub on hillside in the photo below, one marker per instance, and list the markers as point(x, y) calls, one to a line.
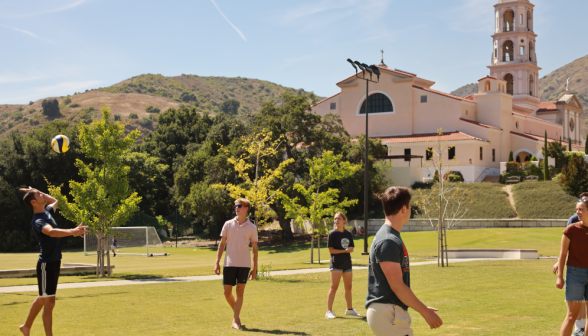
point(152, 109)
point(187, 97)
point(146, 122)
point(50, 107)
point(17, 115)
point(31, 111)
point(133, 116)
point(574, 176)
point(67, 100)
point(31, 103)
point(117, 117)
point(86, 114)
point(74, 105)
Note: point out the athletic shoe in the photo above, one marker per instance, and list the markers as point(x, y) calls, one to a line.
point(579, 332)
point(330, 315)
point(352, 312)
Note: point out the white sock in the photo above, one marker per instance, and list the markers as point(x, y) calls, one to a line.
point(580, 324)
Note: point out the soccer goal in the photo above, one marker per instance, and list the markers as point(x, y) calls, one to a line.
point(135, 240)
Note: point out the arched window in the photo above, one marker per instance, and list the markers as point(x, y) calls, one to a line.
point(509, 20)
point(378, 103)
point(530, 20)
point(508, 51)
point(487, 86)
point(509, 84)
point(531, 85)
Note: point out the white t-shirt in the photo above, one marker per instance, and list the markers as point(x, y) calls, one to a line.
point(238, 239)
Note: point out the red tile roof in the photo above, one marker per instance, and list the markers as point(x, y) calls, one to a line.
point(470, 97)
point(533, 118)
point(479, 124)
point(326, 99)
point(490, 78)
point(538, 137)
point(429, 137)
point(521, 108)
point(547, 106)
point(441, 93)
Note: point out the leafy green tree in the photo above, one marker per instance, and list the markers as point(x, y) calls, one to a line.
point(50, 107)
point(187, 97)
point(316, 206)
point(146, 176)
point(230, 106)
point(574, 176)
point(103, 200)
point(556, 150)
point(261, 189)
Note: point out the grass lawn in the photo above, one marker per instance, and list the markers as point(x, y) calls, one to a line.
point(200, 261)
point(543, 200)
point(478, 298)
point(486, 200)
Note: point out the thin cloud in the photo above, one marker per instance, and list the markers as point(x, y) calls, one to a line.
point(28, 33)
point(237, 29)
point(54, 10)
point(60, 89)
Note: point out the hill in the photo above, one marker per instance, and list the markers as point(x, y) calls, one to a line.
point(130, 98)
point(553, 85)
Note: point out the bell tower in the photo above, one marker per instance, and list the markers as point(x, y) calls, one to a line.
point(513, 56)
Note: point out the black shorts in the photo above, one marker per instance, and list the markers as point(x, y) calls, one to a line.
point(47, 277)
point(235, 275)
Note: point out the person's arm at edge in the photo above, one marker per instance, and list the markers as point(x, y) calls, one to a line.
point(253, 272)
point(393, 273)
point(58, 233)
point(563, 253)
point(219, 254)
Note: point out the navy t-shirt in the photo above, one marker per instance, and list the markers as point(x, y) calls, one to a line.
point(386, 246)
point(572, 220)
point(50, 247)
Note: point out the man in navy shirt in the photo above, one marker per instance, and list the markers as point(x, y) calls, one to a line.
point(49, 264)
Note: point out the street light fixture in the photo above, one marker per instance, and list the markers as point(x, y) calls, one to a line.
point(371, 69)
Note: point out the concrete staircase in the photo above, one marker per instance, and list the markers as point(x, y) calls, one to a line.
point(493, 179)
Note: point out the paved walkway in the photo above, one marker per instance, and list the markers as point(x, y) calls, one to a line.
point(34, 288)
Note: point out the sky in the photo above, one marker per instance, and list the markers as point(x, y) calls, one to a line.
point(58, 47)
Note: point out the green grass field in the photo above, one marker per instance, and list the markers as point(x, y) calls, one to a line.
point(477, 298)
point(200, 261)
point(486, 200)
point(543, 200)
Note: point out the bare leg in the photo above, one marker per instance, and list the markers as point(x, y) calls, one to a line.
point(347, 282)
point(335, 279)
point(239, 303)
point(35, 309)
point(229, 296)
point(48, 315)
point(568, 324)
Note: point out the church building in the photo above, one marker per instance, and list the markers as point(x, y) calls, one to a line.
point(505, 114)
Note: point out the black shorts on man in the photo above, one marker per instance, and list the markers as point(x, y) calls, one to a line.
point(47, 277)
point(235, 275)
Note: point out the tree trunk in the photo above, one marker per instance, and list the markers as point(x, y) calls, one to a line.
point(446, 254)
point(318, 243)
point(98, 255)
point(108, 255)
point(286, 229)
point(312, 245)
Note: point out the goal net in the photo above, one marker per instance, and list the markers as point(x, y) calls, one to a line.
point(135, 240)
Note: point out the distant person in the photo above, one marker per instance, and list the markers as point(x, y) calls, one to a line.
point(340, 244)
point(114, 245)
point(389, 294)
point(354, 231)
point(49, 264)
point(580, 324)
point(237, 234)
point(360, 231)
point(574, 247)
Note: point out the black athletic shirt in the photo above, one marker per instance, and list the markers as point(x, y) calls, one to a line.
point(50, 247)
point(386, 246)
point(340, 241)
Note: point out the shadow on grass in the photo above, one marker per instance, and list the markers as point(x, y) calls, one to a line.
point(274, 331)
point(138, 276)
point(287, 248)
point(89, 295)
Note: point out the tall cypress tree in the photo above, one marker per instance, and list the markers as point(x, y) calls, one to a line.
point(586, 148)
point(545, 166)
point(569, 144)
point(510, 157)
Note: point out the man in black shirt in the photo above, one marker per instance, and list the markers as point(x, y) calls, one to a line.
point(49, 263)
point(389, 294)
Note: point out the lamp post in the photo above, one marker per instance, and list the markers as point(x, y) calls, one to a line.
point(371, 69)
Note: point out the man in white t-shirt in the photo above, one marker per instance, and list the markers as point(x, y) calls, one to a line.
point(236, 235)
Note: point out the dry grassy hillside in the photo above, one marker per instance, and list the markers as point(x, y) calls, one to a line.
point(134, 95)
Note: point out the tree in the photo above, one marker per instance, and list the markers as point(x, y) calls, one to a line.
point(147, 177)
point(316, 205)
point(188, 97)
point(556, 150)
point(546, 176)
point(260, 191)
point(510, 157)
point(103, 200)
point(569, 144)
point(446, 199)
point(67, 100)
point(586, 147)
point(230, 106)
point(50, 107)
point(574, 176)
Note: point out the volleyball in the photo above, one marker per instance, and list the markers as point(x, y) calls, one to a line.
point(60, 144)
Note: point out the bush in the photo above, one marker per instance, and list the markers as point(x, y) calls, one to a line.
point(50, 107)
point(533, 158)
point(17, 115)
point(146, 122)
point(31, 103)
point(187, 97)
point(33, 122)
point(152, 109)
point(457, 175)
point(117, 117)
point(574, 176)
point(31, 111)
point(74, 105)
point(86, 114)
point(67, 100)
point(133, 116)
point(454, 178)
